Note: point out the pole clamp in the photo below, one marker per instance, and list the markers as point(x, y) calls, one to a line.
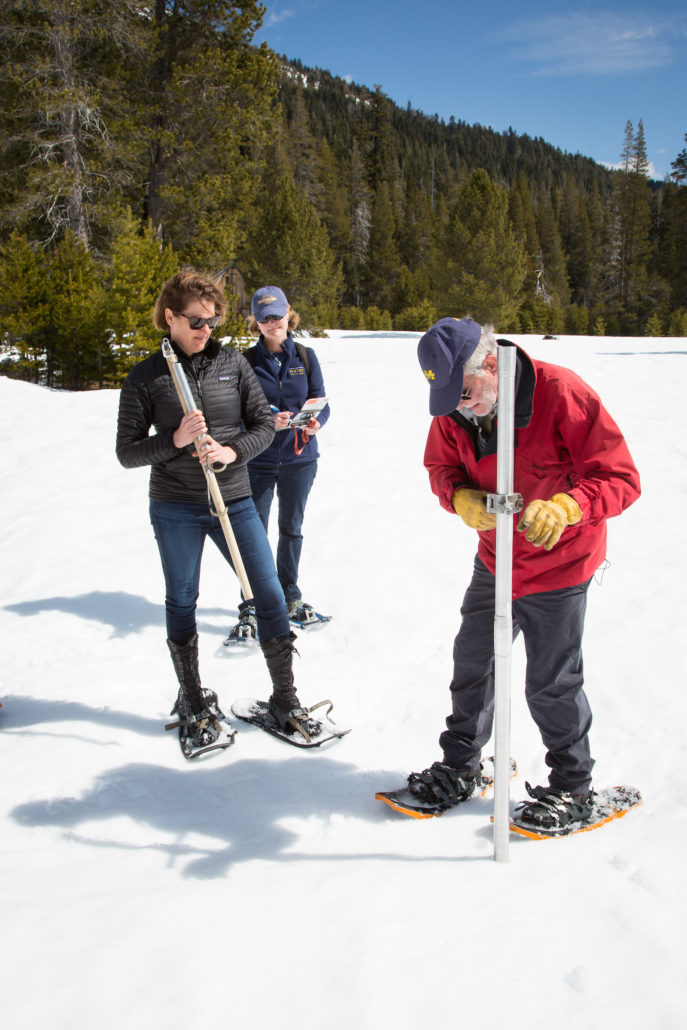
point(504, 504)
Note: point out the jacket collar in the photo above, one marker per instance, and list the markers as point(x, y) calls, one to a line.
point(525, 380)
point(209, 352)
point(288, 346)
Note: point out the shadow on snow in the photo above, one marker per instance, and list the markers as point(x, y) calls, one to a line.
point(23, 712)
point(124, 613)
point(242, 806)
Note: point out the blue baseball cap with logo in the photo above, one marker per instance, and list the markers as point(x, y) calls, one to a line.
point(268, 300)
point(442, 353)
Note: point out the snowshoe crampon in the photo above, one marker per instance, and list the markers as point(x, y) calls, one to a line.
point(408, 803)
point(310, 733)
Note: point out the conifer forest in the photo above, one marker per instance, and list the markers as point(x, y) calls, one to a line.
point(139, 138)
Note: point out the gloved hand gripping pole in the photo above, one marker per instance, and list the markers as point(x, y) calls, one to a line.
point(217, 505)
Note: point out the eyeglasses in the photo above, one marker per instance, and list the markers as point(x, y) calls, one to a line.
point(270, 318)
point(198, 323)
point(466, 395)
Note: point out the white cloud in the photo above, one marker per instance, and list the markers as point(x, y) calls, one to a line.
point(594, 44)
point(274, 17)
point(652, 173)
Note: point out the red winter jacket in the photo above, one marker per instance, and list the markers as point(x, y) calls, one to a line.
point(565, 442)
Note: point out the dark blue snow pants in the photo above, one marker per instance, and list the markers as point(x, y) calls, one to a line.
point(552, 624)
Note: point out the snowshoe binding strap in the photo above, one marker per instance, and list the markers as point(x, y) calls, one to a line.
point(298, 719)
point(295, 719)
point(552, 808)
point(326, 714)
point(441, 784)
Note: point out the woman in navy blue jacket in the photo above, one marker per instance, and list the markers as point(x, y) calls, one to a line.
point(289, 374)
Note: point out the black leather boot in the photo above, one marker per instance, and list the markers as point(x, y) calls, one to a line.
point(191, 698)
point(284, 704)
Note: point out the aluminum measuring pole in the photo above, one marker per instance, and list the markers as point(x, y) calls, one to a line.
point(504, 504)
point(217, 505)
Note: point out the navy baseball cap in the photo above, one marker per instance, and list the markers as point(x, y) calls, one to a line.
point(442, 353)
point(268, 300)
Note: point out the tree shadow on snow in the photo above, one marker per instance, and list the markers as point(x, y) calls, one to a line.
point(124, 613)
point(244, 807)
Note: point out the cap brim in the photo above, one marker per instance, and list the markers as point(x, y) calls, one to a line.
point(446, 400)
point(266, 312)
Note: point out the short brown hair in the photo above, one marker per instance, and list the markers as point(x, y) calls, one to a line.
point(186, 284)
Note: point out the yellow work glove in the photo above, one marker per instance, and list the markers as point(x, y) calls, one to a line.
point(471, 505)
point(546, 520)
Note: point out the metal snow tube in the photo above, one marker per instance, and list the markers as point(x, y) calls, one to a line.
point(220, 509)
point(504, 503)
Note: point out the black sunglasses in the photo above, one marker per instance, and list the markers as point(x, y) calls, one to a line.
point(197, 323)
point(270, 318)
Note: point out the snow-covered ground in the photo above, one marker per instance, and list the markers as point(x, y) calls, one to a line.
point(264, 887)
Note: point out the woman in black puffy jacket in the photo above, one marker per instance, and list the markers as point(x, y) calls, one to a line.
point(235, 419)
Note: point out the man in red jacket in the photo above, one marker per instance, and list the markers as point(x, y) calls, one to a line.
point(574, 471)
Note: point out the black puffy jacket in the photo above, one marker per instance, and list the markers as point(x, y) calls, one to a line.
point(237, 414)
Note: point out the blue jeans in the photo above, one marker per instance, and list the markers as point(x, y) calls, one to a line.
point(180, 530)
point(552, 623)
point(293, 483)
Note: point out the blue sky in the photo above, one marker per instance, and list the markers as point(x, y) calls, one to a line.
point(572, 73)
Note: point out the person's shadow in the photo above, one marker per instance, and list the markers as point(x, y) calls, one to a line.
point(243, 806)
point(124, 613)
point(27, 716)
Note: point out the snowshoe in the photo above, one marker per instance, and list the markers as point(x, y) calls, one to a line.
point(552, 809)
point(307, 733)
point(246, 629)
point(304, 615)
point(434, 791)
point(601, 807)
point(206, 731)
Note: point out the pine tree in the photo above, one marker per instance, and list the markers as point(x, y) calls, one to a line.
point(577, 241)
point(302, 146)
point(552, 278)
point(51, 305)
point(331, 203)
point(24, 289)
point(484, 265)
point(679, 166)
point(380, 140)
point(140, 265)
point(210, 99)
point(289, 248)
point(416, 225)
point(672, 257)
point(382, 260)
point(65, 139)
point(630, 243)
point(360, 207)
